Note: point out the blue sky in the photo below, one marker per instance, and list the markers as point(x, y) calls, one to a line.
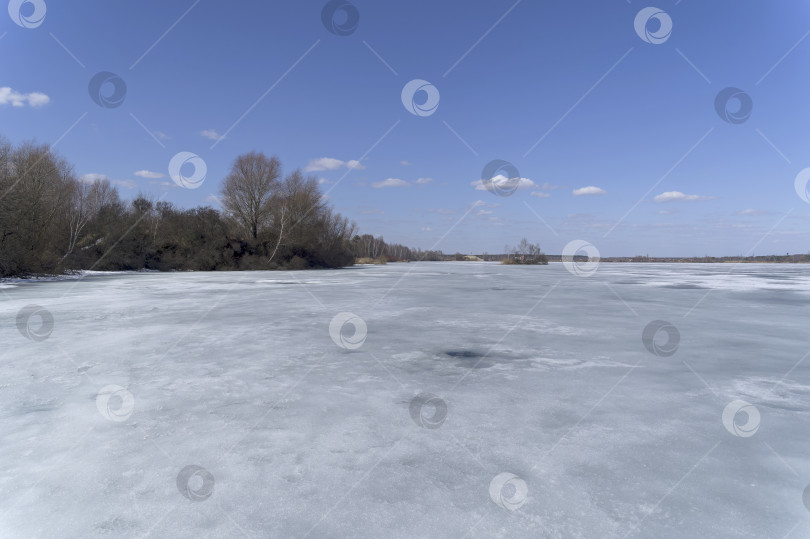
point(567, 92)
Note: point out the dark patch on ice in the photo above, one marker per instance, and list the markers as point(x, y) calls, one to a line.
point(45, 406)
point(472, 359)
point(786, 407)
point(467, 354)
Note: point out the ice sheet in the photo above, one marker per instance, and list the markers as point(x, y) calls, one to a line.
point(543, 374)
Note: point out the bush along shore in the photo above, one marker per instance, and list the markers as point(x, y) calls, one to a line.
point(52, 222)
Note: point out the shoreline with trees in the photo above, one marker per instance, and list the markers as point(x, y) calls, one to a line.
point(53, 223)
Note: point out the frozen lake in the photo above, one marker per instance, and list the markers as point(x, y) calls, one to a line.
point(121, 391)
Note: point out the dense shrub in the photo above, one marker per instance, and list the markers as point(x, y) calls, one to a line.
point(51, 222)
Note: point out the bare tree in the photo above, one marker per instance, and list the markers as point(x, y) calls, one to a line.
point(248, 192)
point(87, 201)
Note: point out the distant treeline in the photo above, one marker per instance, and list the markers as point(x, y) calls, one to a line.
point(52, 222)
point(785, 259)
point(368, 247)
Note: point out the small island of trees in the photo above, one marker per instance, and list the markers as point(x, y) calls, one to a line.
point(525, 253)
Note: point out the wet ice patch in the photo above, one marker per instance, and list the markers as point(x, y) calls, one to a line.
point(787, 395)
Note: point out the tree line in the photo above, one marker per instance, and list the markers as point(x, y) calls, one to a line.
point(368, 247)
point(52, 222)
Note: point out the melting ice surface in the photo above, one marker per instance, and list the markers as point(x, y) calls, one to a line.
point(544, 375)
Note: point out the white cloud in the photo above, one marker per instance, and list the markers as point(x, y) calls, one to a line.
point(323, 181)
point(161, 135)
point(677, 196)
point(323, 163)
point(590, 190)
point(213, 199)
point(330, 163)
point(484, 212)
point(426, 229)
point(404, 163)
point(149, 174)
point(390, 182)
point(751, 212)
point(92, 178)
point(211, 134)
point(424, 181)
point(502, 182)
point(540, 194)
point(17, 99)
